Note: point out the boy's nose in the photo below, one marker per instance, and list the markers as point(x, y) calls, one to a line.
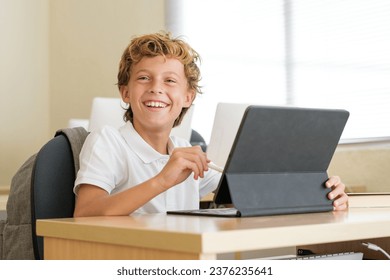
point(157, 91)
point(156, 88)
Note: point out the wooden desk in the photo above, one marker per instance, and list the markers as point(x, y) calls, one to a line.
point(161, 236)
point(4, 192)
point(3, 202)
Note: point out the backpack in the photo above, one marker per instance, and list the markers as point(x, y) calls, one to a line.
point(17, 232)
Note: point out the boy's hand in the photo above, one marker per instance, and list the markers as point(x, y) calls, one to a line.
point(183, 162)
point(338, 193)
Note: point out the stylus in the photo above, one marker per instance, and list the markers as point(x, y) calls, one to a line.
point(215, 167)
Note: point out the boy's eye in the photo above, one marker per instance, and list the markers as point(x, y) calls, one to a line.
point(171, 80)
point(143, 78)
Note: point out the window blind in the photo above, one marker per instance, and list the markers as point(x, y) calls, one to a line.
point(341, 58)
point(317, 53)
point(242, 48)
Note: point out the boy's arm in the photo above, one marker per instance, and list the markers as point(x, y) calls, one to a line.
point(94, 201)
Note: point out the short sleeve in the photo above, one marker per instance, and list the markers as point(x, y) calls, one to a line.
point(209, 183)
point(101, 163)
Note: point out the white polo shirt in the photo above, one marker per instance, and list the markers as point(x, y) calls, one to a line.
point(116, 160)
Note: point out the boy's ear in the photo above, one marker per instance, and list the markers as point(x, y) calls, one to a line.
point(189, 98)
point(125, 94)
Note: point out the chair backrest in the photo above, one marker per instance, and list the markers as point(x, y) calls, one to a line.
point(41, 188)
point(106, 111)
point(197, 139)
point(53, 179)
point(52, 185)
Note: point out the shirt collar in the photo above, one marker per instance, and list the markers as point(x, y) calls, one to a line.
point(140, 147)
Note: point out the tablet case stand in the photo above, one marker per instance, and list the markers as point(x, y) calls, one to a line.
point(240, 189)
point(279, 160)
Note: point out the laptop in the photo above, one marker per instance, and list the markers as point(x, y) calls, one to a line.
point(278, 162)
point(222, 135)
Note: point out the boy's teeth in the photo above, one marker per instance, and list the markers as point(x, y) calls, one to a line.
point(155, 104)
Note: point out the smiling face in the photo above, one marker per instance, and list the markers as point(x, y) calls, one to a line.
point(157, 92)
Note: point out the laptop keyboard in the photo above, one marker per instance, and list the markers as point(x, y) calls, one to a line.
point(334, 256)
point(217, 211)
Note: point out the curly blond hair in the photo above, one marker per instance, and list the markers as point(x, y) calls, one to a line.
point(163, 44)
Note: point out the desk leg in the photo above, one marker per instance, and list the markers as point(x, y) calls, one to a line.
point(64, 249)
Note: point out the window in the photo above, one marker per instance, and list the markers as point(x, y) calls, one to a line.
point(318, 53)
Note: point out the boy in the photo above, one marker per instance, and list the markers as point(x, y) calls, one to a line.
point(140, 168)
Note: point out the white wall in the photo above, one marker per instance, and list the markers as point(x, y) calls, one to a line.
point(24, 81)
point(55, 56)
point(87, 39)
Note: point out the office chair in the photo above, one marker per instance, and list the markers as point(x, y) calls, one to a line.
point(197, 139)
point(52, 182)
point(53, 178)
